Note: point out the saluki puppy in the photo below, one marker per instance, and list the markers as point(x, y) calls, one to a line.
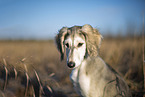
point(91, 76)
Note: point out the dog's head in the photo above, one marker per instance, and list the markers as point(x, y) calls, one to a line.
point(79, 43)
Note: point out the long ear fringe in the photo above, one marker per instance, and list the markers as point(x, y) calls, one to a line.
point(94, 39)
point(59, 39)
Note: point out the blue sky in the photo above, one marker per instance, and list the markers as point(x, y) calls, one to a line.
point(42, 19)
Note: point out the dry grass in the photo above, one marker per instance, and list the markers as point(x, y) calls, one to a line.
point(125, 56)
point(34, 67)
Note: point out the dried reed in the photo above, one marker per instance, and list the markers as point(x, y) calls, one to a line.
point(40, 85)
point(6, 73)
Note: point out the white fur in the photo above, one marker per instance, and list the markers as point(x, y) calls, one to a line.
point(79, 78)
point(78, 53)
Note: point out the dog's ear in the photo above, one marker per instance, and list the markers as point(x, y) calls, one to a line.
point(93, 39)
point(59, 39)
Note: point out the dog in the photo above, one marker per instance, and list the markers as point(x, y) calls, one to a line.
point(91, 76)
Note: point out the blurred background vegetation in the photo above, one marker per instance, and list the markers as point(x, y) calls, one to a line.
point(123, 54)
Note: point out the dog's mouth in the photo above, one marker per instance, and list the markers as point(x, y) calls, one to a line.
point(71, 64)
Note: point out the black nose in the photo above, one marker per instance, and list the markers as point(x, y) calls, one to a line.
point(71, 64)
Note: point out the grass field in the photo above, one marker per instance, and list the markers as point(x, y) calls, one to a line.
point(33, 68)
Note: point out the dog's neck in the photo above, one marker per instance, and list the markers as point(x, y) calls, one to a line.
point(85, 64)
point(79, 79)
point(75, 71)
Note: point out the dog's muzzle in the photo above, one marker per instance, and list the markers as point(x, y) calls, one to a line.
point(71, 64)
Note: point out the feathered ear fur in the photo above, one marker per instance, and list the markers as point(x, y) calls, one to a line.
point(93, 39)
point(59, 39)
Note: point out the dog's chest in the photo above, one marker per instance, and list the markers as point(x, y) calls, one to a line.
point(80, 81)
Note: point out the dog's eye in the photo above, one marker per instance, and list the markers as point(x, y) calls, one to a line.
point(80, 44)
point(67, 45)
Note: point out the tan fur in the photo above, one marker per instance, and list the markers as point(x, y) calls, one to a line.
point(59, 39)
point(93, 39)
point(92, 77)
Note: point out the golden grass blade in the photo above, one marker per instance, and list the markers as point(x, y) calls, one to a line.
point(41, 88)
point(6, 77)
point(23, 59)
point(52, 74)
point(27, 84)
point(6, 72)
point(5, 63)
point(49, 89)
point(27, 76)
point(25, 68)
point(16, 73)
point(33, 91)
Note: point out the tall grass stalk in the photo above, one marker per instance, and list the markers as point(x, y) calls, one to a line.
point(6, 73)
